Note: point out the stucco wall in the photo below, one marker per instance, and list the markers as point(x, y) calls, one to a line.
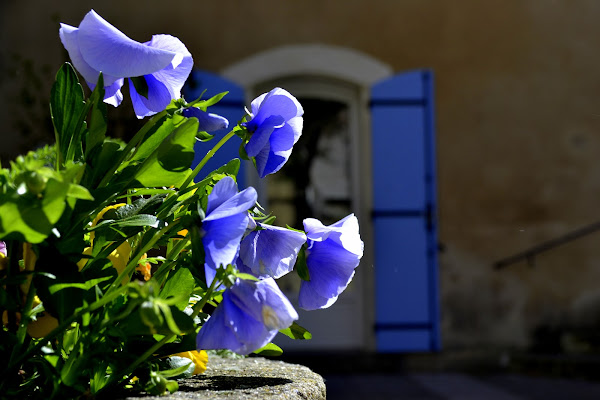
point(518, 110)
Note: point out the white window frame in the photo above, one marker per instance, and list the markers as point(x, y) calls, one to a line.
point(329, 73)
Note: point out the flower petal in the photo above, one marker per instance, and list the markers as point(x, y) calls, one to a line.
point(309, 299)
point(216, 333)
point(276, 104)
point(68, 37)
point(158, 99)
point(248, 318)
point(239, 203)
point(331, 267)
point(222, 240)
point(206, 121)
point(112, 93)
point(261, 160)
point(223, 190)
point(262, 133)
point(107, 49)
point(175, 74)
point(271, 251)
point(333, 253)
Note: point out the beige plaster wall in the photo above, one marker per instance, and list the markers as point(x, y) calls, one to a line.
point(518, 106)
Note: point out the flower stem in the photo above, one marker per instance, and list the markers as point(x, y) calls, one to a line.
point(63, 325)
point(137, 138)
point(133, 261)
point(207, 157)
point(148, 353)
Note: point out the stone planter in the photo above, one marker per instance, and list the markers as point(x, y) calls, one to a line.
point(250, 378)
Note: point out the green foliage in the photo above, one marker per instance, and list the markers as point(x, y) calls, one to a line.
point(301, 267)
point(104, 277)
point(295, 331)
point(269, 350)
point(67, 109)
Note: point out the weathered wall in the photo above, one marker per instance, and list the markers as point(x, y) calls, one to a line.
point(518, 110)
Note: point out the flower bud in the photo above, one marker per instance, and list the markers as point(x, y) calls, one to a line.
point(151, 314)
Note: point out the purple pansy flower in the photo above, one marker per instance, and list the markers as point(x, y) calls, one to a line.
point(225, 223)
point(248, 318)
point(3, 248)
point(208, 122)
point(275, 125)
point(270, 251)
point(333, 253)
point(164, 63)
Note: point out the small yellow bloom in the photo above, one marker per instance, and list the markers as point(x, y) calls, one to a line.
point(144, 268)
point(101, 214)
point(199, 358)
point(44, 323)
point(119, 257)
point(29, 259)
point(183, 232)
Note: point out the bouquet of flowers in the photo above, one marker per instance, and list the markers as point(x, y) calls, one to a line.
point(119, 265)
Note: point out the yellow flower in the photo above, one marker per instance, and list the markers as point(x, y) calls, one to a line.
point(119, 257)
point(100, 215)
point(199, 358)
point(44, 323)
point(144, 268)
point(29, 259)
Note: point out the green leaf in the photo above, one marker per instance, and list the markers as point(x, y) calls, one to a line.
point(101, 159)
point(146, 192)
point(203, 104)
point(155, 136)
point(179, 366)
point(204, 136)
point(138, 220)
point(174, 321)
point(297, 332)
point(169, 164)
point(140, 84)
point(270, 350)
point(231, 168)
point(71, 370)
point(67, 110)
point(242, 152)
point(83, 286)
point(98, 118)
point(30, 218)
point(79, 192)
point(301, 267)
point(245, 276)
point(180, 284)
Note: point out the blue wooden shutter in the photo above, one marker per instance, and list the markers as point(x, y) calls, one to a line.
point(404, 214)
point(230, 107)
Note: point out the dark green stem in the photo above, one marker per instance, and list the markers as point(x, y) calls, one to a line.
point(130, 146)
point(207, 157)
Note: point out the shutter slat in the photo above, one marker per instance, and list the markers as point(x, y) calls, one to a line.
point(404, 214)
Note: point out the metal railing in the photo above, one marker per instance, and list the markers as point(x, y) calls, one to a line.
point(530, 253)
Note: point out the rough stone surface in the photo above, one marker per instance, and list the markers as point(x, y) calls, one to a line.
point(249, 378)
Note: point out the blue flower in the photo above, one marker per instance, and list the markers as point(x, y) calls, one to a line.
point(270, 251)
point(208, 122)
point(248, 318)
point(161, 65)
point(225, 223)
point(275, 125)
point(333, 253)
